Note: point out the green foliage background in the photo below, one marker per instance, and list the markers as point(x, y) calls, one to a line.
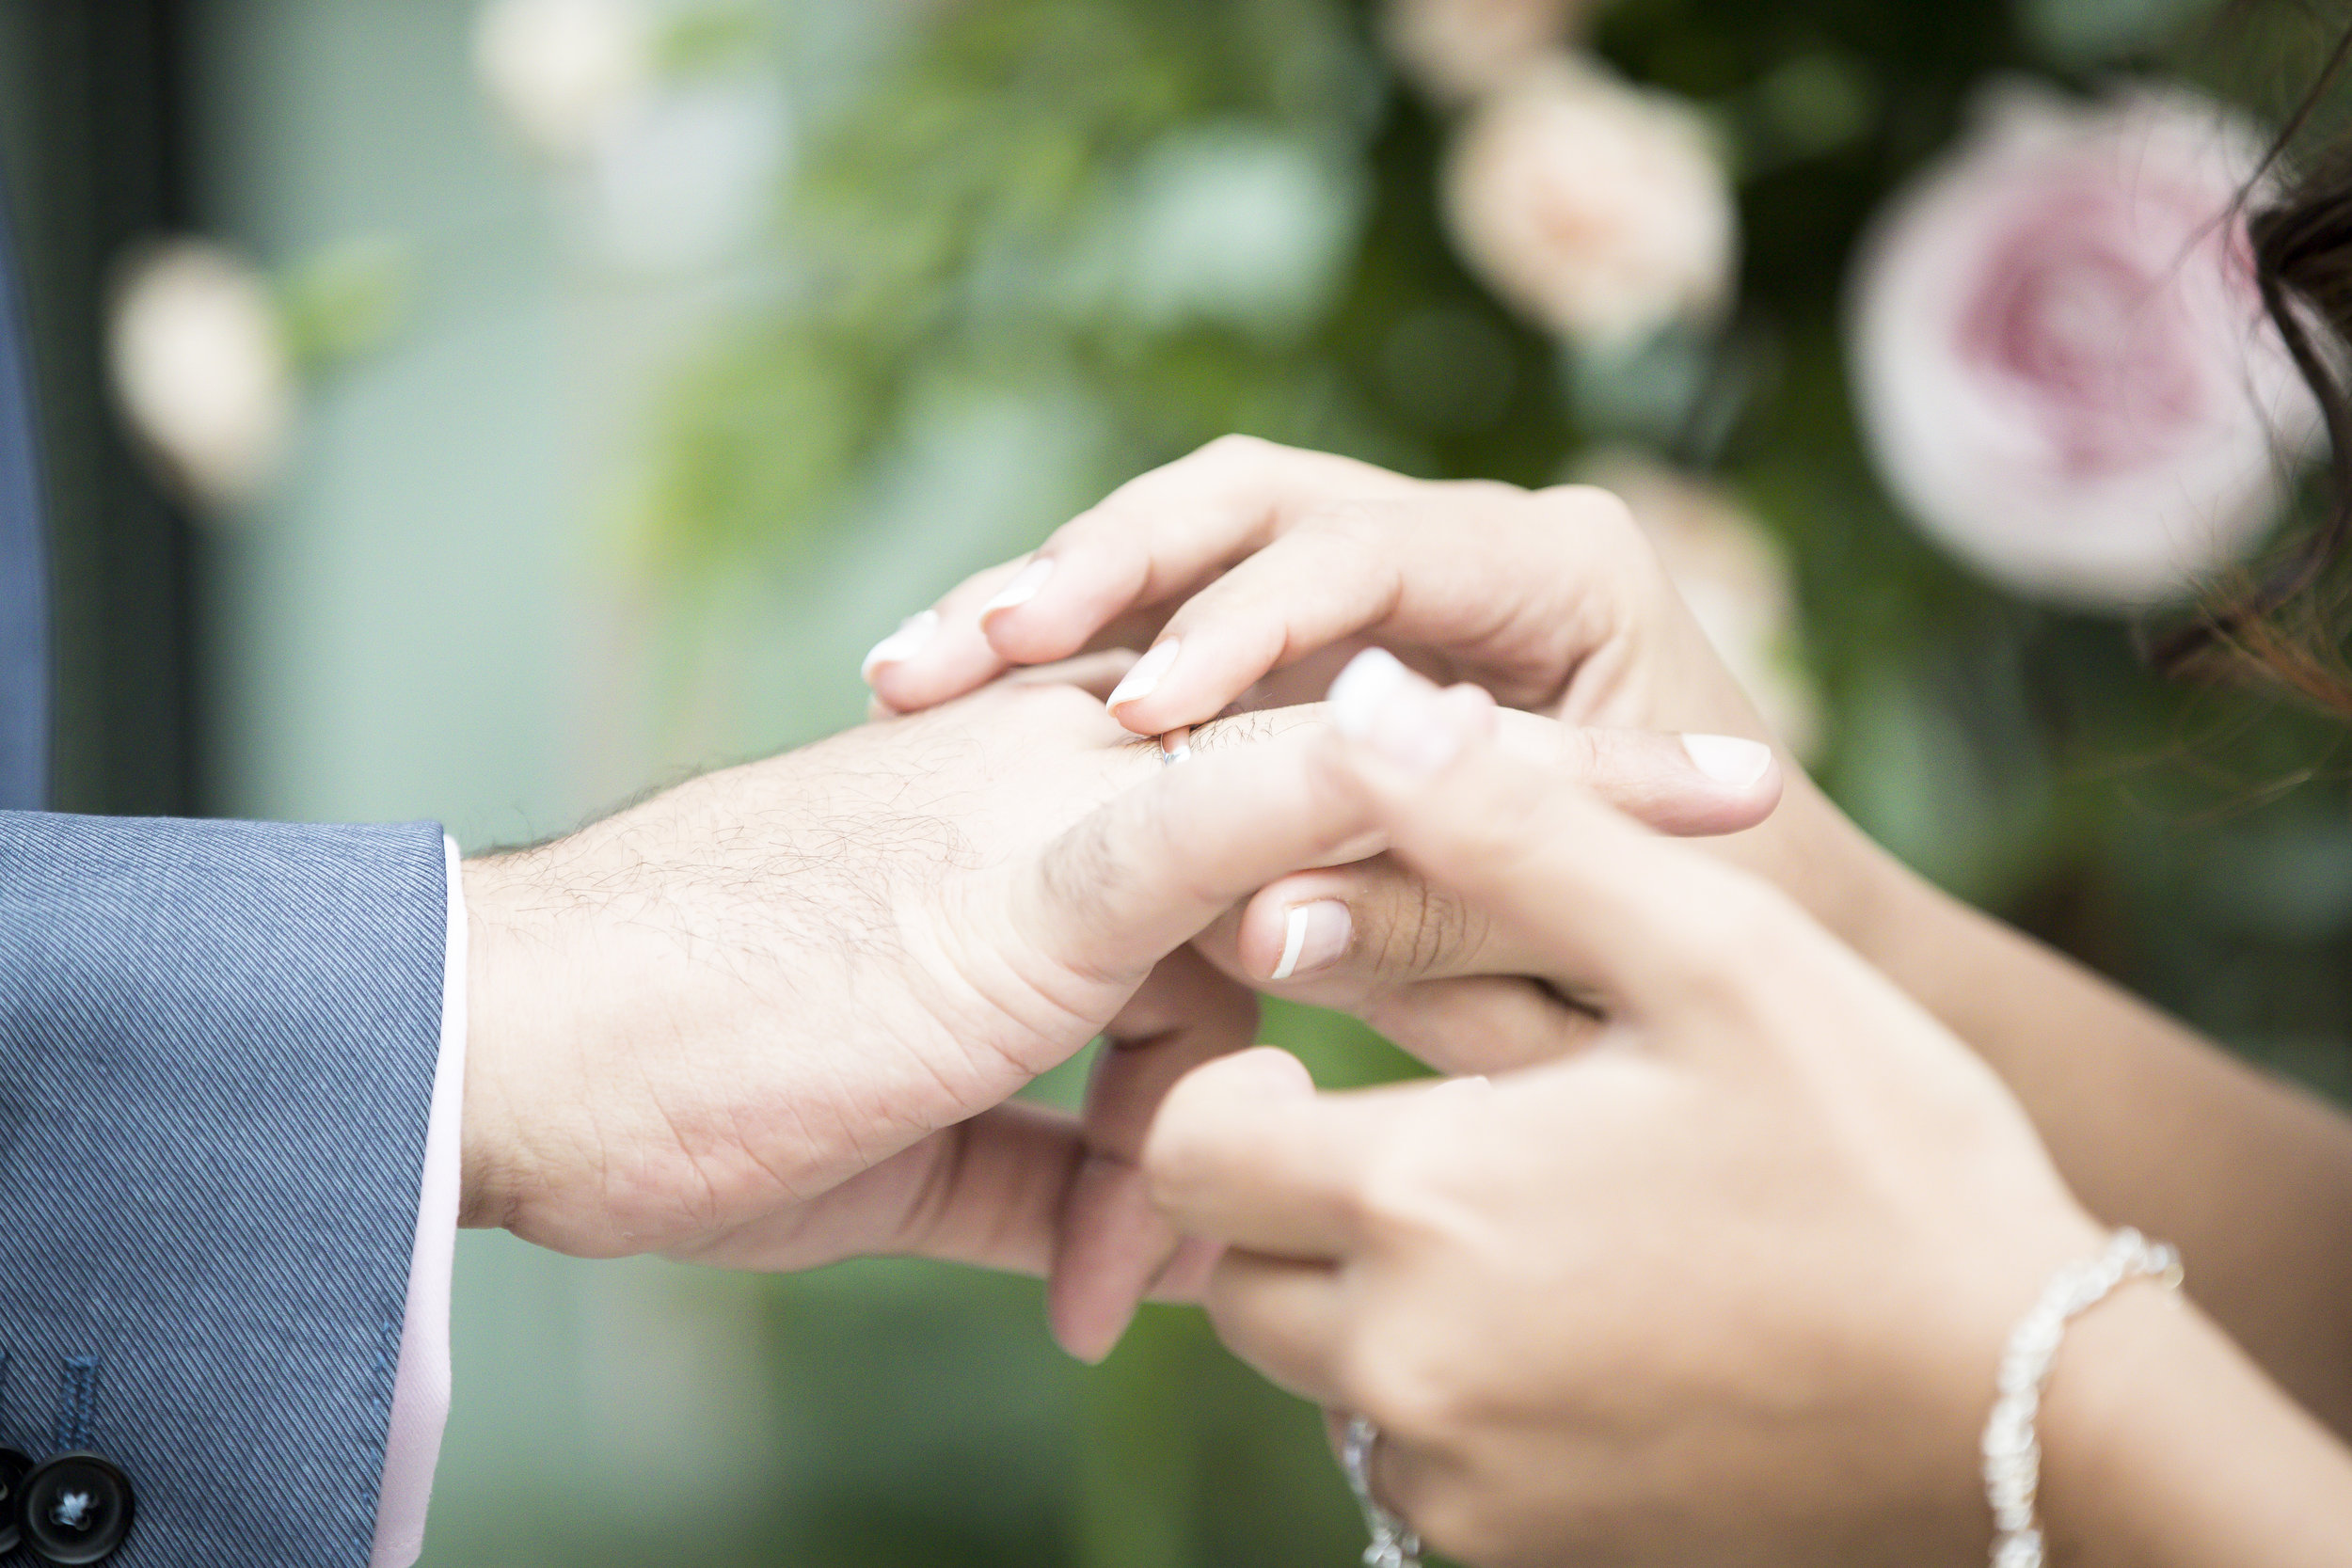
point(992, 208)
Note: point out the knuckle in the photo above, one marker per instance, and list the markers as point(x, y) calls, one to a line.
point(1248, 622)
point(1350, 551)
point(1594, 512)
point(1430, 932)
point(1400, 1196)
point(1581, 754)
point(1592, 505)
point(1106, 533)
point(1180, 1161)
point(1350, 525)
point(1233, 446)
point(1174, 1171)
point(1603, 525)
point(1492, 490)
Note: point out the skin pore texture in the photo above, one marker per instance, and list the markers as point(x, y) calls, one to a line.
point(2190, 1433)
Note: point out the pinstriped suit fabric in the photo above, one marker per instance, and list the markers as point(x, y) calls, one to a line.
point(216, 1052)
point(23, 563)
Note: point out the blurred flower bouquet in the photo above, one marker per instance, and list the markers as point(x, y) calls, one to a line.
point(1927, 343)
point(1923, 338)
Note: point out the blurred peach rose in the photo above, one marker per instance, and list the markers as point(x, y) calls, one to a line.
point(1733, 576)
point(1598, 209)
point(1458, 50)
point(2060, 355)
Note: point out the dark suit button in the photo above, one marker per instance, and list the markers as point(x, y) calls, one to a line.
point(76, 1509)
point(13, 1466)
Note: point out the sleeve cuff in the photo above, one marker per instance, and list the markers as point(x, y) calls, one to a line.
point(420, 1386)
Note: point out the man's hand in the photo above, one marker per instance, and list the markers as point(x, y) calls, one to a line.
point(757, 1020)
point(771, 1017)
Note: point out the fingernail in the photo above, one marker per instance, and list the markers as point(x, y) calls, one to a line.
point(1145, 675)
point(1367, 683)
point(1376, 700)
point(904, 643)
point(1020, 590)
point(1728, 759)
point(1313, 935)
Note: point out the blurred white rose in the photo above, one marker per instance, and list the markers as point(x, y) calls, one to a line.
point(2060, 355)
point(565, 72)
point(1598, 209)
point(1733, 576)
point(200, 361)
point(1459, 50)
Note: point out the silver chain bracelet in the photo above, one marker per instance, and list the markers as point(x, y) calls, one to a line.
point(2013, 1450)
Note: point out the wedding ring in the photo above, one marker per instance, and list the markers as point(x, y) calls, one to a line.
point(1395, 1545)
point(1176, 746)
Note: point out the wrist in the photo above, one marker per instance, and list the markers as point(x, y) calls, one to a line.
point(2108, 1375)
point(2012, 1450)
point(1862, 894)
point(2164, 1447)
point(510, 996)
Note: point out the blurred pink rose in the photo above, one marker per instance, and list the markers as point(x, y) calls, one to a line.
point(2060, 356)
point(1598, 209)
point(1458, 50)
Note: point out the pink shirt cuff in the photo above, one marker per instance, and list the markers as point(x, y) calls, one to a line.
point(420, 1386)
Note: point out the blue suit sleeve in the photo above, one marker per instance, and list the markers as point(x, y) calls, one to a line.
point(217, 1042)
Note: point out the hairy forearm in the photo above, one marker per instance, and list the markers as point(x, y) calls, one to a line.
point(2151, 1125)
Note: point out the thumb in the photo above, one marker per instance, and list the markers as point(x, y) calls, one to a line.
point(1244, 1152)
point(1147, 871)
point(1591, 898)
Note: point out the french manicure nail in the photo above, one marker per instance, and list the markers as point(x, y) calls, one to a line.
point(1395, 713)
point(902, 644)
point(1020, 590)
point(1313, 935)
point(1728, 759)
point(1144, 674)
point(1371, 678)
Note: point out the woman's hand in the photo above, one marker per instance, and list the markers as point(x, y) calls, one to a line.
point(1113, 1246)
point(1246, 559)
point(1258, 564)
point(1728, 1284)
point(1251, 572)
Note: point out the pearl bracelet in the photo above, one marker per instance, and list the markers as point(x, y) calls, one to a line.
point(2013, 1452)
